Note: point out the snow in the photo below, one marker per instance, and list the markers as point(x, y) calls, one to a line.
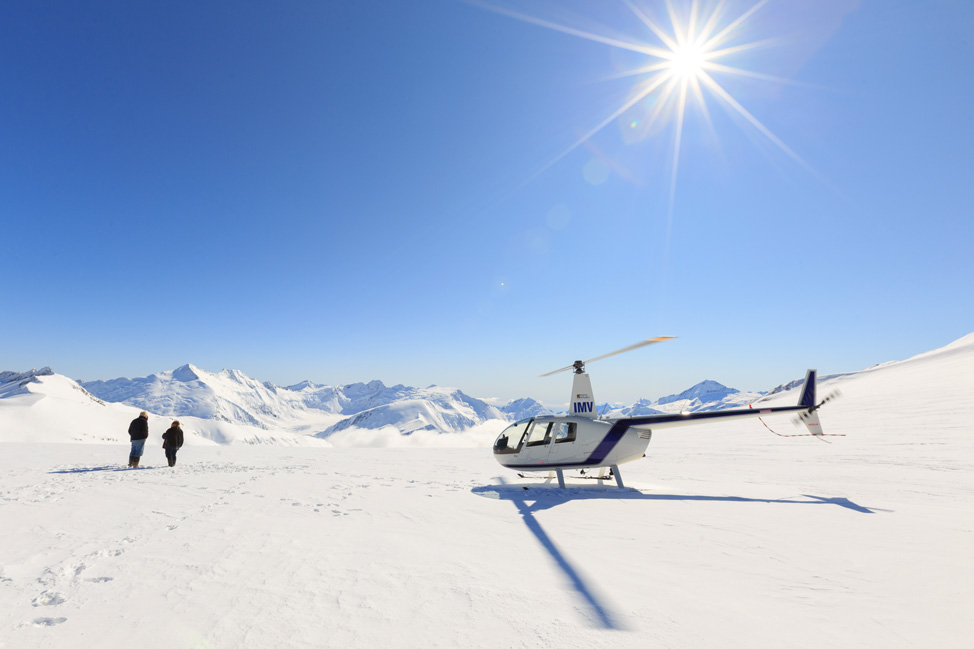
point(726, 536)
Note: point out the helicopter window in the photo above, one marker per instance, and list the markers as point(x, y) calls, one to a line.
point(539, 434)
point(512, 437)
point(564, 432)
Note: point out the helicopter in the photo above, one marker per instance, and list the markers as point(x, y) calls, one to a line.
point(582, 440)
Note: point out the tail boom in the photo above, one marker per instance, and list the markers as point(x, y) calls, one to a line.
point(805, 409)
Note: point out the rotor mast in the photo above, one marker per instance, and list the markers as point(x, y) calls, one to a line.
point(582, 403)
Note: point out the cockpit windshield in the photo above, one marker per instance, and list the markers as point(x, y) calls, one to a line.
point(511, 438)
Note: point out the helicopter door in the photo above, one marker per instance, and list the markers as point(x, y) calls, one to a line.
point(563, 448)
point(538, 443)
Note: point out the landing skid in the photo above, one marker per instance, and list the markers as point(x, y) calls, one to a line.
point(559, 473)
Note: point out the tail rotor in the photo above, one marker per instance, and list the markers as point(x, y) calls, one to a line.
point(810, 420)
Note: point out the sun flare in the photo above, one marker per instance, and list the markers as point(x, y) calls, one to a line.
point(683, 55)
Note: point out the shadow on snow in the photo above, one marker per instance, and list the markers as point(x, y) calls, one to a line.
point(535, 498)
point(547, 495)
point(520, 497)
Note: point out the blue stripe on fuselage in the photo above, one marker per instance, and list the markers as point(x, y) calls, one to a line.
point(608, 443)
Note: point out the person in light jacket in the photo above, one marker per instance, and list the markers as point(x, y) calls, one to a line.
point(138, 432)
point(172, 440)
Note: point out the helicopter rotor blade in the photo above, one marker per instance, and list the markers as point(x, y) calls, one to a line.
point(649, 341)
point(556, 371)
point(643, 343)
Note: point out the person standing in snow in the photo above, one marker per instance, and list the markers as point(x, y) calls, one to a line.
point(172, 440)
point(138, 431)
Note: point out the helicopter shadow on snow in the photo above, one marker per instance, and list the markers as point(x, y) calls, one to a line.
point(520, 496)
point(539, 497)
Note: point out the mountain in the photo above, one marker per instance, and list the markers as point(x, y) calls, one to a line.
point(188, 391)
point(43, 406)
point(414, 409)
point(706, 395)
point(232, 396)
point(703, 392)
point(641, 408)
point(518, 409)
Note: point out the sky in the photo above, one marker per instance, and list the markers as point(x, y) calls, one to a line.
point(474, 193)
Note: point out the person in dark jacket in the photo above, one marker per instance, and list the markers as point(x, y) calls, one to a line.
point(172, 440)
point(138, 432)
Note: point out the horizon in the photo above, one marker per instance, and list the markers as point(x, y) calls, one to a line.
point(490, 400)
point(356, 191)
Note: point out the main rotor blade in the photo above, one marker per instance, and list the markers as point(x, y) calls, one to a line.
point(556, 371)
point(649, 341)
point(642, 343)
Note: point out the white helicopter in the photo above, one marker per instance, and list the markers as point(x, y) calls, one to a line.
point(580, 440)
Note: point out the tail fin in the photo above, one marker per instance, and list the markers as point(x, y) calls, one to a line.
point(807, 400)
point(807, 397)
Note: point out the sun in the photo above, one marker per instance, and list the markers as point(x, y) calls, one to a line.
point(687, 61)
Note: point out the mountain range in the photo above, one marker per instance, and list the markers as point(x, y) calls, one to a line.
point(233, 397)
point(231, 407)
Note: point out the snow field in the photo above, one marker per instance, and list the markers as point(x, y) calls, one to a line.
point(727, 536)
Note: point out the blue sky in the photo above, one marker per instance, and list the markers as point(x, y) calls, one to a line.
point(348, 190)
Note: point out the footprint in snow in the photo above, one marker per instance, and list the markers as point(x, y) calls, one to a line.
point(49, 621)
point(48, 598)
point(99, 580)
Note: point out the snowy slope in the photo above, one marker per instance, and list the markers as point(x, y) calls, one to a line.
point(728, 537)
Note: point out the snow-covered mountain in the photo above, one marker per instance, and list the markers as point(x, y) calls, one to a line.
point(188, 391)
point(706, 395)
point(232, 396)
point(43, 406)
point(412, 409)
point(523, 408)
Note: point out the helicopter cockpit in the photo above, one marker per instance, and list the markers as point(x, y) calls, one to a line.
point(533, 432)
